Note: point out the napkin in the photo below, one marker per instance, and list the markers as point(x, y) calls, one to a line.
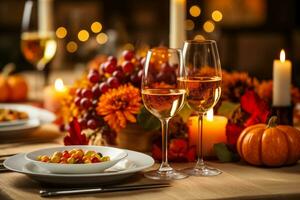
point(124, 164)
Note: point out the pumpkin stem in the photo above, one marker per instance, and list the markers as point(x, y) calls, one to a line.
point(8, 69)
point(272, 122)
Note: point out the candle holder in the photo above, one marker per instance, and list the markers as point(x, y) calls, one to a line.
point(284, 114)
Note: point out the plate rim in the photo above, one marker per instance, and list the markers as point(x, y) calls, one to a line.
point(123, 172)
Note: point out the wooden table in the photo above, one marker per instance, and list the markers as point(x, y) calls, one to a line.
point(238, 180)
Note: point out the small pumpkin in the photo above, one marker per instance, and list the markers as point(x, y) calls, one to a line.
point(270, 145)
point(13, 87)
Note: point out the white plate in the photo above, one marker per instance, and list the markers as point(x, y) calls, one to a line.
point(13, 123)
point(115, 155)
point(18, 163)
point(37, 116)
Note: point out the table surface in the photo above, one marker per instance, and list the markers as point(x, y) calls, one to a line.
point(238, 180)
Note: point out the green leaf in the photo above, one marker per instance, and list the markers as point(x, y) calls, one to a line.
point(223, 153)
point(227, 108)
point(185, 112)
point(148, 121)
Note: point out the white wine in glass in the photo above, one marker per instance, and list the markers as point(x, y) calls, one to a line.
point(201, 78)
point(38, 48)
point(38, 42)
point(163, 98)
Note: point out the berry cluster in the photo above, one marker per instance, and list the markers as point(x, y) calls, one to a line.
point(111, 74)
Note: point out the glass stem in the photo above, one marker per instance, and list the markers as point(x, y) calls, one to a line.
point(164, 167)
point(200, 161)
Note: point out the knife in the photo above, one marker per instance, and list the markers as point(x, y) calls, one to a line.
point(56, 192)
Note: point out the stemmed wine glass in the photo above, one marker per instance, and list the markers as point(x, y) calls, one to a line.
point(163, 98)
point(202, 76)
point(38, 42)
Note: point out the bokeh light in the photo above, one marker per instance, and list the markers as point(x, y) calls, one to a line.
point(72, 47)
point(209, 26)
point(195, 11)
point(61, 32)
point(199, 37)
point(96, 27)
point(128, 46)
point(217, 15)
point(189, 25)
point(83, 35)
point(101, 38)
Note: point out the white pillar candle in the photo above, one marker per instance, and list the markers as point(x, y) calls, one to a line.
point(45, 16)
point(282, 71)
point(177, 23)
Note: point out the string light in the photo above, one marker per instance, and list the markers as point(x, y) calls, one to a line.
point(217, 15)
point(83, 35)
point(72, 47)
point(209, 26)
point(61, 32)
point(101, 38)
point(195, 11)
point(96, 27)
point(189, 25)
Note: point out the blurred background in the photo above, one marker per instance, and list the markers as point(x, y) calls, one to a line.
point(250, 33)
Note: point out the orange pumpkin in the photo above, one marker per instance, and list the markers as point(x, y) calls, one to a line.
point(270, 145)
point(13, 87)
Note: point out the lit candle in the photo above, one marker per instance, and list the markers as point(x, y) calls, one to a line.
point(54, 95)
point(282, 70)
point(177, 23)
point(214, 131)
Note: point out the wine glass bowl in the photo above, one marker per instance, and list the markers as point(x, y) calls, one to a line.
point(202, 76)
point(163, 98)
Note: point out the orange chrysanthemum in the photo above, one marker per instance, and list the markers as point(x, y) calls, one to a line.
point(119, 106)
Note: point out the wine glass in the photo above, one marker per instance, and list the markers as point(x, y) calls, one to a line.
point(202, 76)
point(38, 42)
point(163, 98)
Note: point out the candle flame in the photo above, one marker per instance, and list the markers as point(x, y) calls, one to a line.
point(210, 115)
point(282, 55)
point(59, 85)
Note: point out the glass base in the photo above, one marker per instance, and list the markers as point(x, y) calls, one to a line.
point(203, 171)
point(165, 175)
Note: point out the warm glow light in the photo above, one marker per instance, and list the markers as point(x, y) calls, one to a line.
point(282, 55)
point(217, 15)
point(128, 46)
point(101, 38)
point(59, 85)
point(72, 47)
point(210, 115)
point(209, 26)
point(199, 37)
point(195, 11)
point(61, 32)
point(96, 27)
point(189, 25)
point(83, 35)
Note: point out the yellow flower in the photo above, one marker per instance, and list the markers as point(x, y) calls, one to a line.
point(119, 106)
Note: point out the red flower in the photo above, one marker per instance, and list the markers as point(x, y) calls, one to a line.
point(179, 151)
point(256, 110)
point(233, 132)
point(256, 107)
point(75, 137)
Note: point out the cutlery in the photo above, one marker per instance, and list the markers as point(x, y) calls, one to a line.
point(2, 168)
point(7, 155)
point(56, 192)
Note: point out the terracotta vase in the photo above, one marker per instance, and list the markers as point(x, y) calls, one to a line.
point(133, 137)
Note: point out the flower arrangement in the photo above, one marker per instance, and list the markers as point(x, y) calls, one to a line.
point(108, 98)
